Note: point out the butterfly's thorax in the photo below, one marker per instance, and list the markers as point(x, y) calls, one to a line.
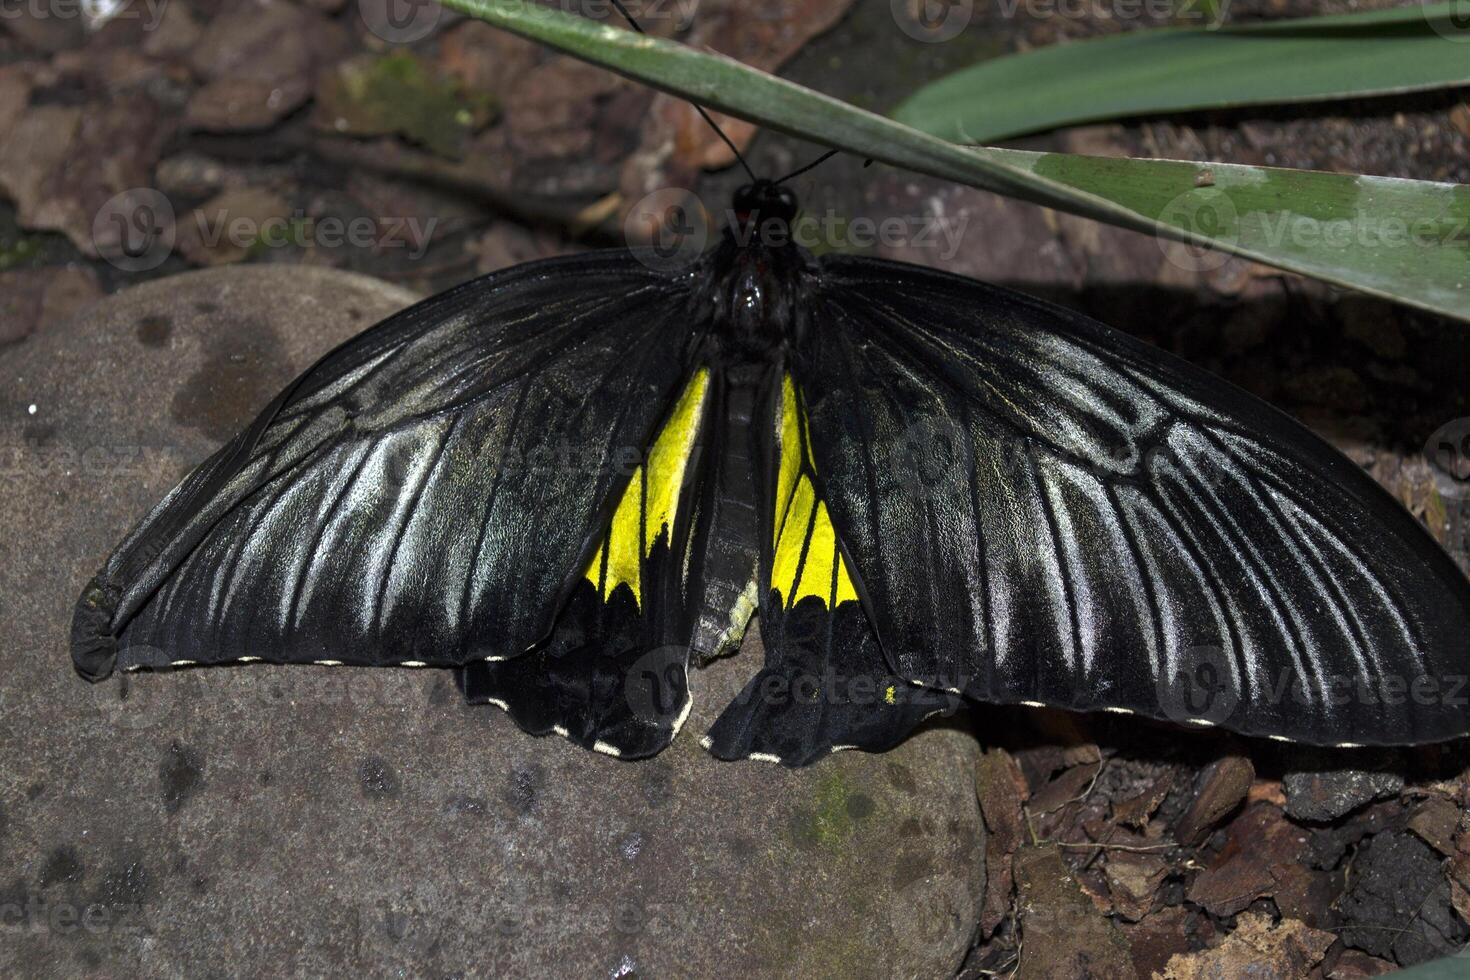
point(755, 284)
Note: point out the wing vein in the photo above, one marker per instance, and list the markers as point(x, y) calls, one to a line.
point(1069, 592)
point(407, 518)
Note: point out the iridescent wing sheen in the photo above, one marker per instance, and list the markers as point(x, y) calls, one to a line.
point(428, 493)
point(1040, 509)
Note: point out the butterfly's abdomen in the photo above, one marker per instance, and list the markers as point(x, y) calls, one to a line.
point(726, 544)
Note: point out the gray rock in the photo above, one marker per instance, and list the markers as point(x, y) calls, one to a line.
point(1397, 904)
point(1323, 796)
point(313, 821)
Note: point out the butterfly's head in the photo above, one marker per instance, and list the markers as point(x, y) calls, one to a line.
point(755, 277)
point(765, 207)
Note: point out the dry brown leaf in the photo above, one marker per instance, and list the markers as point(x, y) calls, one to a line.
point(49, 161)
point(1257, 949)
point(1307, 894)
point(1222, 785)
point(1133, 881)
point(999, 786)
point(1063, 934)
point(259, 62)
point(1434, 822)
point(1354, 964)
point(1158, 936)
point(1136, 811)
point(232, 226)
point(1069, 786)
point(1232, 886)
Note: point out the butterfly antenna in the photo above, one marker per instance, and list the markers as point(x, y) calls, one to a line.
point(618, 5)
point(815, 163)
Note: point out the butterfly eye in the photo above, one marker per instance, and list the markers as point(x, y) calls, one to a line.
point(786, 200)
point(765, 200)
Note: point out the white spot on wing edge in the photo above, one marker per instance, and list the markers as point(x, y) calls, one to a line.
point(1120, 711)
point(706, 743)
point(684, 712)
point(327, 663)
point(1033, 704)
point(607, 748)
point(1199, 722)
point(561, 730)
point(1279, 738)
point(764, 757)
point(412, 663)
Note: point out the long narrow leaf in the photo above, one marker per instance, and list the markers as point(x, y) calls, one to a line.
point(1401, 239)
point(1154, 71)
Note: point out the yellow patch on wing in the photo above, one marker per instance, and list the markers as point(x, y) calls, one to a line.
point(648, 505)
point(807, 560)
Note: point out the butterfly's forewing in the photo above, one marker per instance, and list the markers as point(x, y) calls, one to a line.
point(427, 493)
point(1047, 510)
point(825, 685)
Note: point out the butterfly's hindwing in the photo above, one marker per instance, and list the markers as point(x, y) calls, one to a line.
point(613, 675)
point(1061, 514)
point(825, 684)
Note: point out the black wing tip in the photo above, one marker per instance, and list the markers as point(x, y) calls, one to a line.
point(93, 644)
point(626, 737)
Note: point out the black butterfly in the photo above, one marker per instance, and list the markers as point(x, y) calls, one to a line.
point(571, 478)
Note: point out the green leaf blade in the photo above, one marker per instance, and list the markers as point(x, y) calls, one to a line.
point(1174, 70)
point(1156, 197)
